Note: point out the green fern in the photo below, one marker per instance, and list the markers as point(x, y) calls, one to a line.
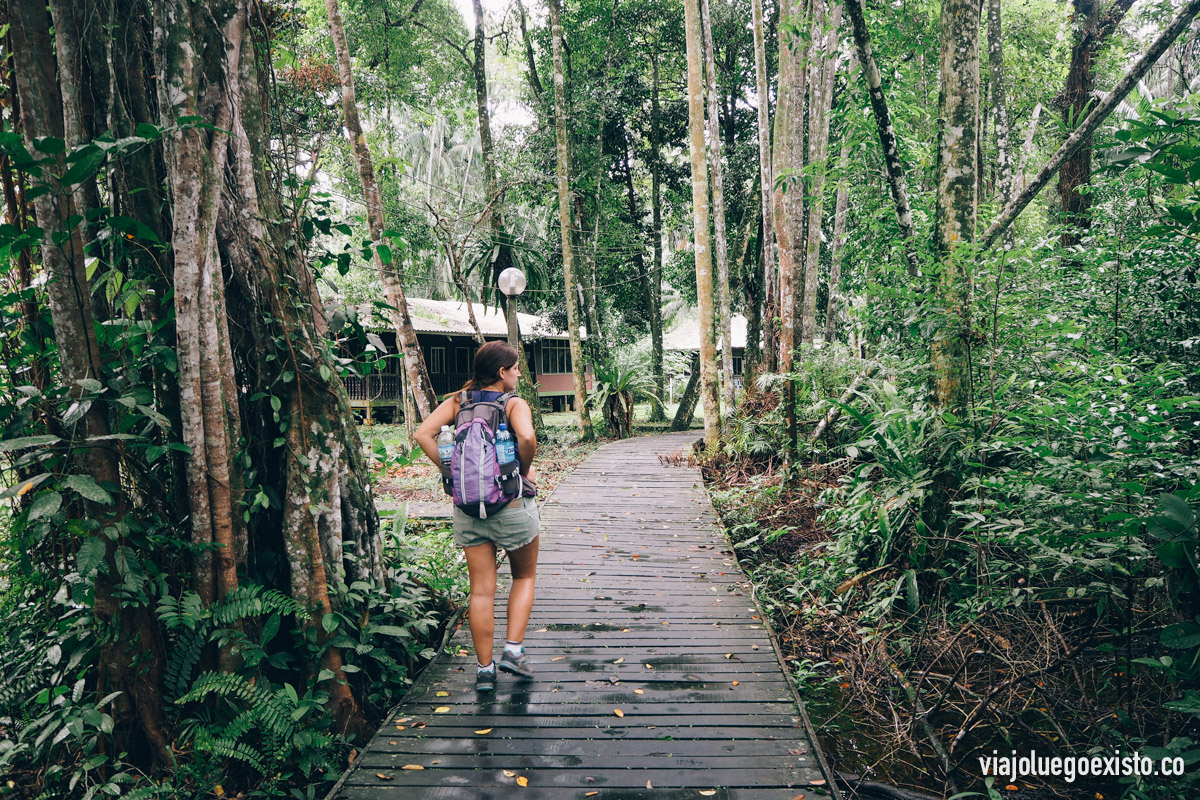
point(184, 657)
point(263, 714)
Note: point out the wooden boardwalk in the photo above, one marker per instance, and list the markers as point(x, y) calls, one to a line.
point(655, 676)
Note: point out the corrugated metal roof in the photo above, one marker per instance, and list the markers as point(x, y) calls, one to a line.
point(686, 333)
point(449, 317)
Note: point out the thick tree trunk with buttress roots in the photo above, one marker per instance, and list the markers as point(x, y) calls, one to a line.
point(389, 275)
point(131, 658)
point(564, 221)
point(701, 248)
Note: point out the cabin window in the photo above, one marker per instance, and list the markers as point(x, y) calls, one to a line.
point(463, 358)
point(737, 365)
point(437, 360)
point(556, 357)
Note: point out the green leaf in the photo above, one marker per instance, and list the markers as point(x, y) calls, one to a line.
point(1175, 509)
point(86, 161)
point(329, 622)
point(1181, 636)
point(90, 556)
point(393, 630)
point(25, 442)
point(86, 486)
point(45, 505)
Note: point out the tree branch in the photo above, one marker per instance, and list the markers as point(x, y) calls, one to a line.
point(1091, 123)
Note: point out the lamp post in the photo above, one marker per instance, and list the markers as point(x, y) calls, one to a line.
point(512, 283)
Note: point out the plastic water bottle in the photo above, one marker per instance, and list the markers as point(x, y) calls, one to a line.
point(506, 448)
point(445, 445)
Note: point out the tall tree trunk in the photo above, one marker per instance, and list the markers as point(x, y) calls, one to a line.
point(1076, 171)
point(1090, 29)
point(658, 413)
point(702, 250)
point(389, 273)
point(753, 363)
point(500, 245)
point(789, 159)
point(954, 221)
point(995, 39)
point(822, 77)
point(725, 303)
point(564, 220)
point(840, 206)
point(887, 134)
point(766, 188)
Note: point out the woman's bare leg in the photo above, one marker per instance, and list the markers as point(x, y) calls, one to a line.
point(520, 597)
point(481, 569)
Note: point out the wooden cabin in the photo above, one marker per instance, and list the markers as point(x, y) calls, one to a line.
point(447, 341)
point(685, 337)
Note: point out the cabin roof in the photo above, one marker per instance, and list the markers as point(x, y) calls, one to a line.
point(449, 317)
point(686, 333)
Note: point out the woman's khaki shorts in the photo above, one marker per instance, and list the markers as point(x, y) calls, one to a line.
point(511, 528)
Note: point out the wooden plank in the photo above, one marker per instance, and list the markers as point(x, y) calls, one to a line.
point(627, 545)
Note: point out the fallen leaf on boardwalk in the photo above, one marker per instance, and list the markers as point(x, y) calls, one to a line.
point(735, 683)
point(384, 777)
point(541, 630)
point(707, 792)
point(483, 731)
point(590, 794)
point(558, 658)
point(418, 724)
point(401, 727)
point(624, 630)
point(618, 712)
point(817, 782)
point(436, 761)
point(639, 691)
point(443, 694)
point(406, 719)
point(666, 622)
point(508, 774)
point(649, 785)
point(619, 661)
point(649, 666)
point(463, 653)
point(798, 797)
point(392, 742)
point(522, 781)
point(753, 647)
point(412, 766)
point(729, 655)
point(441, 709)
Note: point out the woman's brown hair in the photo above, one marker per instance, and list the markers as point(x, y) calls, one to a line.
point(490, 358)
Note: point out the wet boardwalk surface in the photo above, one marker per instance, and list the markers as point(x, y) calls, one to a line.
point(655, 676)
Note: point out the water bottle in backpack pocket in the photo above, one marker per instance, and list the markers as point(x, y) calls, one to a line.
point(481, 482)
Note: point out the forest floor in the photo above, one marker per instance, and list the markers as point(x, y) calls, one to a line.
point(846, 667)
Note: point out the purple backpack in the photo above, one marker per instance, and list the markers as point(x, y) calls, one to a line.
point(480, 484)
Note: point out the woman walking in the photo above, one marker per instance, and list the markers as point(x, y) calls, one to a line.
point(514, 528)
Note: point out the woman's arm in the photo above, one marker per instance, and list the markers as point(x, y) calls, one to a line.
point(426, 435)
point(520, 420)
